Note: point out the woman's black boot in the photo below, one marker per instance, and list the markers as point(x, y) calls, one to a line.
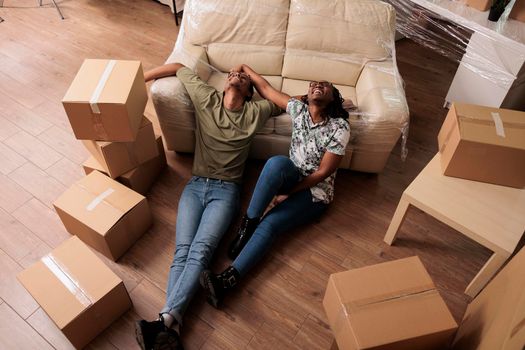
point(246, 230)
point(216, 286)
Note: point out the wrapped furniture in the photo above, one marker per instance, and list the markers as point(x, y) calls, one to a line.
point(347, 42)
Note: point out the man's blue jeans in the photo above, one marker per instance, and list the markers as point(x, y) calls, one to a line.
point(278, 176)
point(206, 209)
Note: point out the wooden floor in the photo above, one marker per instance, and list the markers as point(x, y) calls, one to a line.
point(279, 305)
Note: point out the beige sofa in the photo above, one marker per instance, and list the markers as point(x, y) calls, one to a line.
point(347, 42)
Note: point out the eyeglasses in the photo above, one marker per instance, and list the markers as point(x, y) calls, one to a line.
point(239, 74)
point(322, 84)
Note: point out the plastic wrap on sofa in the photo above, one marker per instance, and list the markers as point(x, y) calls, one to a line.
point(347, 42)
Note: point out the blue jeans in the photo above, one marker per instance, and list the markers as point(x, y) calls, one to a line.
point(206, 209)
point(278, 176)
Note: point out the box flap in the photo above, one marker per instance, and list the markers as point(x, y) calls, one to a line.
point(68, 281)
point(381, 282)
point(115, 89)
point(495, 126)
point(98, 201)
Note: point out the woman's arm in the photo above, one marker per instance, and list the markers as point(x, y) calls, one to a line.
point(264, 88)
point(329, 163)
point(162, 71)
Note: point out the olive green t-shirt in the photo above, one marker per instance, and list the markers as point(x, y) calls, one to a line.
point(222, 137)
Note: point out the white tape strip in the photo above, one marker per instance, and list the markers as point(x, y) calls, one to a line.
point(98, 199)
point(100, 86)
point(500, 131)
point(67, 280)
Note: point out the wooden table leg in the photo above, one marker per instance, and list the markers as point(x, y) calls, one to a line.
point(397, 220)
point(485, 274)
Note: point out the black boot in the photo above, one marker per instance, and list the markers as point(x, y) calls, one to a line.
point(155, 335)
point(246, 230)
point(216, 286)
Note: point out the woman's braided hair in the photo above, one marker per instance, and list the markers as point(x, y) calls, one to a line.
point(335, 108)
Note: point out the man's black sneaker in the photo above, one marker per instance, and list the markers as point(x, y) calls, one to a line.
point(168, 340)
point(146, 332)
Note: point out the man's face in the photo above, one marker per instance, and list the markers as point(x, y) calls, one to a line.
point(321, 92)
point(240, 81)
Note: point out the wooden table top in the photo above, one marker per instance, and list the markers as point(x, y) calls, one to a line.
point(490, 214)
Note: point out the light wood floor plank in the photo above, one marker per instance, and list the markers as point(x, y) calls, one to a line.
point(12, 292)
point(42, 221)
point(33, 150)
point(47, 329)
point(65, 143)
point(11, 160)
point(37, 182)
point(66, 171)
point(7, 129)
point(13, 195)
point(15, 239)
point(17, 334)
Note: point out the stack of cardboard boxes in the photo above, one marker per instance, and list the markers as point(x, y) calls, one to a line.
point(105, 106)
point(106, 209)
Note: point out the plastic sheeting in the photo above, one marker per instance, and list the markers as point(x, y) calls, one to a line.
point(349, 43)
point(447, 26)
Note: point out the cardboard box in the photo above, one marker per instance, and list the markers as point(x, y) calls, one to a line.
point(484, 144)
point(388, 306)
point(518, 11)
point(103, 213)
point(481, 5)
point(77, 291)
point(118, 158)
point(106, 100)
point(139, 179)
point(495, 319)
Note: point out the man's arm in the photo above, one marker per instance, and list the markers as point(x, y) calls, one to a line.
point(264, 88)
point(162, 71)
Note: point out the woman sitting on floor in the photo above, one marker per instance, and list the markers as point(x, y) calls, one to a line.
point(301, 186)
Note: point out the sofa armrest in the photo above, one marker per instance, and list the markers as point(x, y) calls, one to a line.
point(383, 116)
point(171, 101)
point(380, 94)
point(192, 56)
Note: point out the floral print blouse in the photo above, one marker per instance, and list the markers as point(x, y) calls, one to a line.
point(309, 143)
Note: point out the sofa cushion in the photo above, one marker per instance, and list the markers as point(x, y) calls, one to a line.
point(217, 80)
point(333, 40)
point(245, 25)
point(266, 60)
point(293, 87)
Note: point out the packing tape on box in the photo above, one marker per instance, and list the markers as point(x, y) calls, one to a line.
point(96, 117)
point(351, 307)
point(99, 199)
point(63, 275)
point(100, 131)
point(93, 101)
point(500, 131)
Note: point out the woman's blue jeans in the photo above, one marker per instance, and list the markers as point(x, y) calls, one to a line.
point(278, 176)
point(206, 209)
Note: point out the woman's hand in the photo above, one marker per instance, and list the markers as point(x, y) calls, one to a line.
point(275, 201)
point(279, 199)
point(237, 68)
